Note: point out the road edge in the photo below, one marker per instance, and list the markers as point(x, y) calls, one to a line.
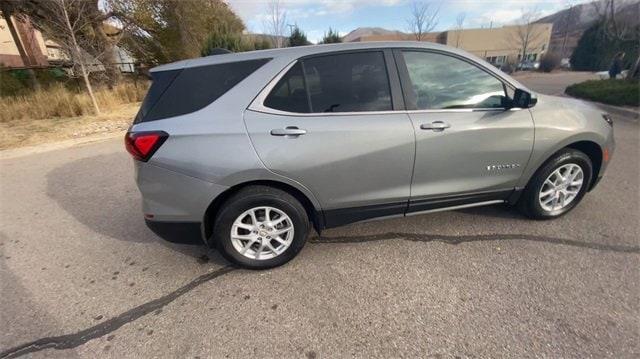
point(12, 153)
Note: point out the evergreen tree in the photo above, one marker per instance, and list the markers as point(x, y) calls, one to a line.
point(298, 38)
point(331, 37)
point(224, 40)
point(234, 42)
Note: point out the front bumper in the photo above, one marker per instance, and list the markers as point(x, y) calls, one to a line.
point(607, 156)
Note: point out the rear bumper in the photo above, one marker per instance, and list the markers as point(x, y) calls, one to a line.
point(177, 232)
point(169, 196)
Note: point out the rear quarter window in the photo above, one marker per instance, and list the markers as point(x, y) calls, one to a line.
point(179, 92)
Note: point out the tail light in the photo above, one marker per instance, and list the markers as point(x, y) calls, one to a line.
point(142, 145)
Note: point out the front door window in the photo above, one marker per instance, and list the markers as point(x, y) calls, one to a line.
point(445, 82)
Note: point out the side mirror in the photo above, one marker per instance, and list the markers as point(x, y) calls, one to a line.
point(524, 99)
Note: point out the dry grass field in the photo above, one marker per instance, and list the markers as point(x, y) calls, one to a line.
point(58, 114)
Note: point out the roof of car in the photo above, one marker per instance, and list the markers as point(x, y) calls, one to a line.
point(300, 51)
point(289, 54)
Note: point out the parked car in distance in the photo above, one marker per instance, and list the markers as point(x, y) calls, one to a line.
point(528, 66)
point(249, 151)
point(505, 67)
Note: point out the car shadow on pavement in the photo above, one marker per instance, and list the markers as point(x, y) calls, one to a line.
point(502, 211)
point(109, 203)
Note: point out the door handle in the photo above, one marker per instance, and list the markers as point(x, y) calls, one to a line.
point(288, 131)
point(435, 126)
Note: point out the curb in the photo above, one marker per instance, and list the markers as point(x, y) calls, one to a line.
point(632, 114)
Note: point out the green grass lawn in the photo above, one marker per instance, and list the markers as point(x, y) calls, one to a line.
point(611, 92)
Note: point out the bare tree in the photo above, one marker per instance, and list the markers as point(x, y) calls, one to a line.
point(608, 15)
point(569, 20)
point(63, 21)
point(526, 34)
point(276, 22)
point(459, 27)
point(617, 28)
point(423, 18)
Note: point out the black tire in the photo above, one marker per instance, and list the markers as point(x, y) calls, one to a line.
point(529, 203)
point(256, 196)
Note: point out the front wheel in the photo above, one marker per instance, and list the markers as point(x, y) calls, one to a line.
point(558, 186)
point(261, 227)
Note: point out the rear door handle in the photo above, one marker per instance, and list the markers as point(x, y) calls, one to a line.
point(288, 131)
point(436, 126)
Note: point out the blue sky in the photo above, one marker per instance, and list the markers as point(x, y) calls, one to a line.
point(316, 16)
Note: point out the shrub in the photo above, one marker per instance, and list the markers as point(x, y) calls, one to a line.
point(234, 42)
point(261, 43)
point(10, 84)
point(230, 41)
point(15, 82)
point(612, 91)
point(549, 62)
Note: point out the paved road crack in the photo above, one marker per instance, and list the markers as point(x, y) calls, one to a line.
point(74, 340)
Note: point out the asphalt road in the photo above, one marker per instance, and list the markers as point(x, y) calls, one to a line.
point(81, 276)
point(552, 83)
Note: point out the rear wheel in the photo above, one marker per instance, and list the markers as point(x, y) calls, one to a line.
point(261, 227)
point(558, 186)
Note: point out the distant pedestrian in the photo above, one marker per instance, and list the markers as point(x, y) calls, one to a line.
point(616, 65)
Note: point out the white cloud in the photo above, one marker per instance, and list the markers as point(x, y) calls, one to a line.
point(506, 16)
point(252, 10)
point(507, 12)
point(313, 15)
point(500, 17)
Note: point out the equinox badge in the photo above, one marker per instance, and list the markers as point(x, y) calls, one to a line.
point(502, 167)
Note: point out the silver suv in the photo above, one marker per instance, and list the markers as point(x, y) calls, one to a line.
point(250, 150)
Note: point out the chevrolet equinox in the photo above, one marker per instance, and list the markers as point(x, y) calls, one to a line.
point(250, 150)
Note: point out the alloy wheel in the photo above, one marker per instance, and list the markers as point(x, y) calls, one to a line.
point(262, 233)
point(561, 187)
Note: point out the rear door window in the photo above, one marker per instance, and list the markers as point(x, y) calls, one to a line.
point(350, 82)
point(290, 92)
